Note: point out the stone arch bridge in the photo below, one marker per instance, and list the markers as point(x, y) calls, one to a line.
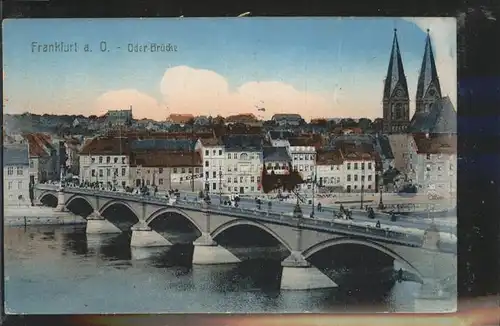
point(426, 256)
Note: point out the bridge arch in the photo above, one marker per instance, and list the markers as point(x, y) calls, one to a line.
point(46, 193)
point(339, 241)
point(233, 223)
point(162, 211)
point(119, 202)
point(74, 197)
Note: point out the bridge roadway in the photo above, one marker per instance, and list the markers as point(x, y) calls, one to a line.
point(424, 255)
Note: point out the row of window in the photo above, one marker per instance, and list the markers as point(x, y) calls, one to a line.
point(349, 187)
point(356, 177)
point(108, 160)
point(19, 170)
point(108, 172)
point(438, 167)
point(277, 166)
point(214, 152)
point(243, 156)
point(10, 185)
point(303, 157)
point(361, 165)
point(242, 180)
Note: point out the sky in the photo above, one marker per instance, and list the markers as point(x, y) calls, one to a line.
point(317, 67)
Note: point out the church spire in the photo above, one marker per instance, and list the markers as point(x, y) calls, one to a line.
point(428, 81)
point(395, 71)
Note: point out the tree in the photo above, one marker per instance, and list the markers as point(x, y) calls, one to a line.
point(365, 124)
point(348, 123)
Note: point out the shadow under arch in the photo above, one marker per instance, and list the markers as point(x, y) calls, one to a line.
point(74, 197)
point(162, 211)
point(340, 241)
point(117, 202)
point(48, 199)
point(226, 226)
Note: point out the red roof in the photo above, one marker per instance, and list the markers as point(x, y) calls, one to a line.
point(39, 144)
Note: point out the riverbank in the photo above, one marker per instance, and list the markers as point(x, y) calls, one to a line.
point(38, 215)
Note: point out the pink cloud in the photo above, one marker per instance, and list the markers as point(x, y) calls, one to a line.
point(144, 106)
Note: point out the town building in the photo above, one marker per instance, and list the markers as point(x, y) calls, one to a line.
point(72, 149)
point(105, 161)
point(244, 118)
point(303, 154)
point(166, 170)
point(276, 160)
point(119, 117)
point(396, 99)
point(44, 162)
point(181, 119)
point(16, 174)
point(243, 165)
point(213, 156)
point(359, 165)
point(330, 170)
point(287, 119)
point(279, 138)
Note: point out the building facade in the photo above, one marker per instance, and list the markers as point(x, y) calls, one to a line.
point(213, 157)
point(16, 175)
point(276, 160)
point(43, 158)
point(330, 170)
point(303, 155)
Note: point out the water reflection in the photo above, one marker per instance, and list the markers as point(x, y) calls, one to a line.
point(80, 273)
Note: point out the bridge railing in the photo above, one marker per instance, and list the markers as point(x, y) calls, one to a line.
point(249, 213)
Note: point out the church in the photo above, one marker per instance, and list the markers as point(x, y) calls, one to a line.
point(424, 147)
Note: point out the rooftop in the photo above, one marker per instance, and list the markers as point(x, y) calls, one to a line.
point(106, 146)
point(164, 159)
point(40, 144)
point(163, 144)
point(15, 155)
point(436, 144)
point(242, 143)
point(329, 157)
point(441, 118)
point(275, 154)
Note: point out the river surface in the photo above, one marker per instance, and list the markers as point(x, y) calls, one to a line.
point(59, 270)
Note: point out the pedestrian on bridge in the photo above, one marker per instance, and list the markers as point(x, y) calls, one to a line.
point(319, 207)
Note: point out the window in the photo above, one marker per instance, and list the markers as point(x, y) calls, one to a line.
point(206, 163)
point(369, 186)
point(9, 185)
point(228, 180)
point(229, 189)
point(206, 175)
point(206, 152)
point(348, 166)
point(196, 170)
point(175, 170)
point(108, 172)
point(148, 182)
point(214, 186)
point(123, 184)
point(252, 188)
point(220, 151)
point(229, 156)
point(235, 168)
point(348, 177)
point(214, 174)
point(214, 152)
point(235, 180)
point(428, 168)
point(241, 179)
point(116, 173)
point(116, 160)
point(183, 170)
point(369, 165)
point(93, 172)
point(355, 187)
point(355, 166)
point(10, 170)
point(235, 188)
point(362, 178)
point(19, 185)
point(100, 159)
point(252, 179)
point(100, 173)
point(229, 168)
point(92, 159)
point(355, 177)
point(362, 165)
point(160, 170)
point(428, 156)
point(258, 179)
point(108, 159)
point(439, 168)
point(369, 178)
point(123, 160)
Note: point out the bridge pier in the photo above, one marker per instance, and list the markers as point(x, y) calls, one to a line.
point(61, 205)
point(299, 274)
point(96, 224)
point(144, 236)
point(208, 252)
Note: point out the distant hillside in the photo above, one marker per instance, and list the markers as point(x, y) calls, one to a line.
point(28, 122)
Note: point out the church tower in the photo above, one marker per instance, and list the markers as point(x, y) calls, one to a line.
point(396, 100)
point(428, 88)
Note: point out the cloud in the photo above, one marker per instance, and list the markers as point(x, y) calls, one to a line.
point(443, 32)
point(144, 106)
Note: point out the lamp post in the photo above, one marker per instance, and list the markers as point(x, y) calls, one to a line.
point(362, 183)
point(381, 203)
point(220, 185)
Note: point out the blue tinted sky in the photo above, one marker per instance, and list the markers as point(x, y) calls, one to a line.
point(312, 66)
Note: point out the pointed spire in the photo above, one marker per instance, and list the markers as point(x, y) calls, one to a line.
point(428, 72)
point(395, 71)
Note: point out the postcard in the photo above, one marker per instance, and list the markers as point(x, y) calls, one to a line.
point(244, 165)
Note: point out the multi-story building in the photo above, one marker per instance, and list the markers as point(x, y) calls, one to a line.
point(287, 119)
point(119, 117)
point(72, 147)
point(359, 169)
point(330, 170)
point(16, 175)
point(44, 162)
point(243, 166)
point(277, 160)
point(105, 161)
point(166, 170)
point(433, 163)
point(303, 154)
point(213, 156)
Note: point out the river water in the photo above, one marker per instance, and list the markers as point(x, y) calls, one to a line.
point(59, 270)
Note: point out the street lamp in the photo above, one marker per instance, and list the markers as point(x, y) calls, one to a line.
point(220, 185)
point(380, 178)
point(362, 182)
